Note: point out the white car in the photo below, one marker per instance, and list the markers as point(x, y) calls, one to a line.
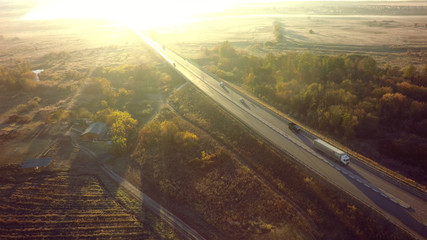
point(221, 84)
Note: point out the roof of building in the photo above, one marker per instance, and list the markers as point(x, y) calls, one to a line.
point(96, 127)
point(37, 162)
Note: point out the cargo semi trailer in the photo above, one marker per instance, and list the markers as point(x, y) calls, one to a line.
point(331, 151)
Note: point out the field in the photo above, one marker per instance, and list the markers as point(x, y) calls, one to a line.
point(193, 158)
point(51, 206)
point(73, 199)
point(394, 37)
point(67, 51)
point(63, 205)
point(229, 185)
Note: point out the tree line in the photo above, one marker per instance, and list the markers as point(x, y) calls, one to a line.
point(18, 76)
point(119, 93)
point(346, 95)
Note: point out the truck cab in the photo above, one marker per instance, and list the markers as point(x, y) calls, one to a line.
point(345, 159)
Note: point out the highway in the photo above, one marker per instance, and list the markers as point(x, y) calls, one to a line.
point(403, 206)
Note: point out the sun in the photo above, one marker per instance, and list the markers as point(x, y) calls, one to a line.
point(134, 13)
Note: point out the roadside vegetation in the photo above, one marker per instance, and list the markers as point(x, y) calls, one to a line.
point(74, 199)
point(122, 96)
point(348, 97)
point(193, 158)
point(205, 184)
point(224, 177)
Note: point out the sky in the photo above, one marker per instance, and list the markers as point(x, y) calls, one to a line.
point(127, 11)
point(149, 13)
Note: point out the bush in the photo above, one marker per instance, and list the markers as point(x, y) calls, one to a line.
point(58, 116)
point(12, 118)
point(27, 81)
point(21, 108)
point(18, 119)
point(24, 119)
point(33, 103)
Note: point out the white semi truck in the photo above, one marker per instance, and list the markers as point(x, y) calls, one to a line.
point(331, 151)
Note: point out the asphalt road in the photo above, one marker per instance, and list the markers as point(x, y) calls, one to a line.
point(394, 200)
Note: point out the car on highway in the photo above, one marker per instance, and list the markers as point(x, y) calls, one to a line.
point(174, 64)
point(294, 128)
point(221, 84)
point(242, 100)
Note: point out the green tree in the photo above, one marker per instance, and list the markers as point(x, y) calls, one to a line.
point(226, 50)
point(410, 72)
point(349, 122)
point(277, 31)
point(392, 107)
point(123, 131)
point(367, 68)
point(58, 116)
point(168, 131)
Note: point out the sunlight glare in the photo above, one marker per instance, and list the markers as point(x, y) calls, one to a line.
point(141, 14)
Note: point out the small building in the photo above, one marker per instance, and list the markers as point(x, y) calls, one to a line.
point(95, 131)
point(37, 163)
point(78, 122)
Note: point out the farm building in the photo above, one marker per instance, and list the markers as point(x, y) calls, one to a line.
point(95, 131)
point(37, 163)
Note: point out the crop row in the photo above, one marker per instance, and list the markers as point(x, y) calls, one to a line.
point(23, 225)
point(17, 211)
point(73, 228)
point(73, 233)
point(65, 219)
point(63, 207)
point(82, 235)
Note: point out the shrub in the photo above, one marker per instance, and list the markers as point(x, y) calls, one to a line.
point(33, 103)
point(12, 118)
point(58, 116)
point(21, 108)
point(18, 119)
point(25, 119)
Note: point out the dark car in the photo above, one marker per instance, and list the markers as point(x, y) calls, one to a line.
point(294, 128)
